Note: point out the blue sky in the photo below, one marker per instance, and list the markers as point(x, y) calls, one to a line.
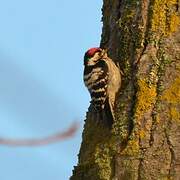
point(42, 44)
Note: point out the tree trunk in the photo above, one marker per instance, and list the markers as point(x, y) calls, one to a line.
point(143, 36)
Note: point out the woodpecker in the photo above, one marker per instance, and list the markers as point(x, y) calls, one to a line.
point(103, 80)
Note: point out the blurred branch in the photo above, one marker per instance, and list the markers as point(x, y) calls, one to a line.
point(42, 141)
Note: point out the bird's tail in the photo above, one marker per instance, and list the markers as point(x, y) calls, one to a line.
point(108, 114)
point(104, 116)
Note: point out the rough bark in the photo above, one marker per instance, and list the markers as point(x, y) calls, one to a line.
point(143, 36)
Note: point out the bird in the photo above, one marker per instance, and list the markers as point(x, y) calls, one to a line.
point(102, 77)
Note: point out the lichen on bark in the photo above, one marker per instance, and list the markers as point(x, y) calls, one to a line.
point(144, 38)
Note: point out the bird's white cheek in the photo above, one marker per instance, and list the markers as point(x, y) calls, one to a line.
point(91, 63)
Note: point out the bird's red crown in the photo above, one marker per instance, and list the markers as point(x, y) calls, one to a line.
point(92, 51)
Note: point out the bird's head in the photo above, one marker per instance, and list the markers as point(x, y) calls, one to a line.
point(93, 55)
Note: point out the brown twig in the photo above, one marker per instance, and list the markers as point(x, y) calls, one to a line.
point(41, 141)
